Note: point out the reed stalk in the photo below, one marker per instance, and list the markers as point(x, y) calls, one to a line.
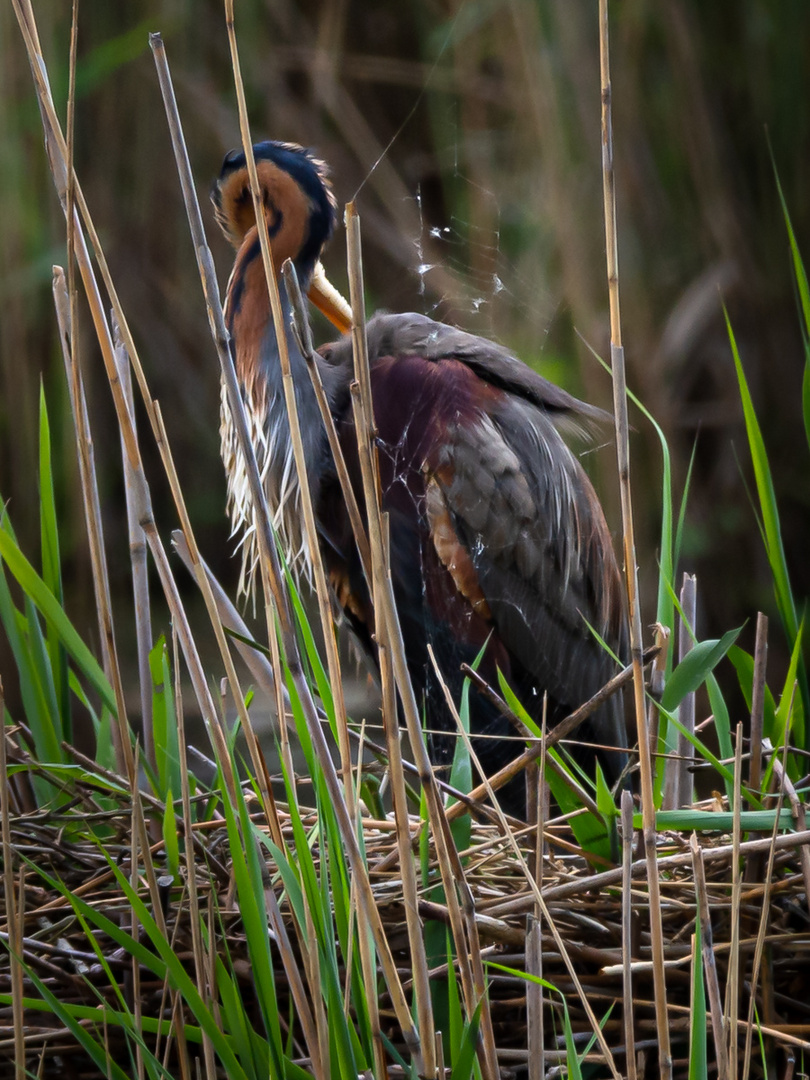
point(271, 567)
point(13, 924)
point(138, 560)
point(384, 615)
point(628, 837)
point(630, 565)
point(536, 896)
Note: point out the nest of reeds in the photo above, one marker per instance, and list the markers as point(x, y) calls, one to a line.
point(753, 951)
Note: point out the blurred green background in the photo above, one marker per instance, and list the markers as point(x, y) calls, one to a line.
point(472, 132)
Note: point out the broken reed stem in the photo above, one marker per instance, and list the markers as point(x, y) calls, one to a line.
point(65, 305)
point(758, 703)
point(383, 619)
point(536, 895)
point(138, 559)
point(13, 927)
point(628, 837)
point(680, 768)
point(733, 976)
point(534, 999)
point(766, 899)
point(630, 566)
point(709, 965)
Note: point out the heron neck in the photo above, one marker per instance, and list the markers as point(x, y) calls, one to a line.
point(309, 419)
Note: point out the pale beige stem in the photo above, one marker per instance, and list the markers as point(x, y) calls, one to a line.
point(630, 566)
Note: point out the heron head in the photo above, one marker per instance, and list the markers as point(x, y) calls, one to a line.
point(296, 196)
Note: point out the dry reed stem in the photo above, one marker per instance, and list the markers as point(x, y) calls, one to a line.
point(378, 551)
point(799, 816)
point(64, 305)
point(138, 558)
point(763, 922)
point(67, 313)
point(13, 926)
point(534, 1000)
point(628, 836)
point(310, 527)
point(733, 979)
point(533, 886)
point(758, 703)
point(709, 965)
point(683, 786)
point(630, 565)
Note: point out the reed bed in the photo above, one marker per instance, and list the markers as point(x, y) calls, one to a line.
point(586, 908)
point(178, 912)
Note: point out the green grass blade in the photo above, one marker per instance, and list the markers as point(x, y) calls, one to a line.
point(592, 833)
point(464, 1062)
point(770, 517)
point(95, 1050)
point(798, 266)
point(250, 895)
point(698, 1042)
point(667, 556)
point(35, 588)
point(722, 821)
point(52, 567)
point(788, 719)
point(695, 668)
point(164, 720)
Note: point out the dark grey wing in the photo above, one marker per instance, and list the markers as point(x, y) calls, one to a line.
point(525, 511)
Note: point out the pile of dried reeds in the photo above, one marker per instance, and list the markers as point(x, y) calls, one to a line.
point(754, 931)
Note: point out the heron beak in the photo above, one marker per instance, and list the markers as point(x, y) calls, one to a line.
point(328, 300)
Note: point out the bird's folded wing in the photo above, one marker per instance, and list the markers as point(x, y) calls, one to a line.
point(515, 520)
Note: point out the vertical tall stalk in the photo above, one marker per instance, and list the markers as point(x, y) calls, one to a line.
point(13, 926)
point(630, 567)
point(271, 569)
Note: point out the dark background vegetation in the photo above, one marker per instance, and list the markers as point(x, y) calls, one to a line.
point(485, 209)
